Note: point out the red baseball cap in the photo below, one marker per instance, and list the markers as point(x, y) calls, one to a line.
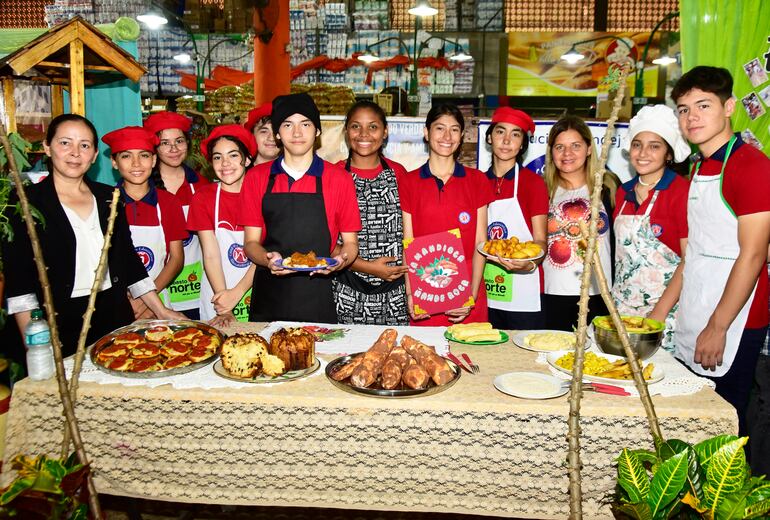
point(256, 114)
point(165, 120)
point(130, 138)
point(236, 131)
point(514, 117)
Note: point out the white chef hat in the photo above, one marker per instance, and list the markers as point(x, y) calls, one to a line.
point(661, 120)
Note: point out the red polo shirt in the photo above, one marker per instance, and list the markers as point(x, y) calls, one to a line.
point(144, 212)
point(435, 206)
point(746, 189)
point(201, 215)
point(191, 184)
point(668, 217)
point(339, 193)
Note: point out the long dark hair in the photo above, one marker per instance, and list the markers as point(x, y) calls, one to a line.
point(374, 107)
point(245, 156)
point(447, 109)
point(155, 176)
point(57, 121)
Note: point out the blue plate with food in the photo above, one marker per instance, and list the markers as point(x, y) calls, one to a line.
point(306, 262)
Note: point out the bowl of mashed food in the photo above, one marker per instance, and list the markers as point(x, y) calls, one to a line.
point(644, 334)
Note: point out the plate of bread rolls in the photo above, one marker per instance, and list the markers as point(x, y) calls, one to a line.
point(391, 368)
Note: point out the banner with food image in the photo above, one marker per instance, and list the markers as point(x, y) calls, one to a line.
point(535, 66)
point(439, 275)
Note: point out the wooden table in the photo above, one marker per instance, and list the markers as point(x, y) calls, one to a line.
point(469, 449)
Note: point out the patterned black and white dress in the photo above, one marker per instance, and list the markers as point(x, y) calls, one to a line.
point(359, 297)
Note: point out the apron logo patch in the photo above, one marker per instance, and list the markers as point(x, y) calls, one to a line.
point(464, 217)
point(147, 257)
point(497, 231)
point(657, 230)
point(237, 256)
point(186, 241)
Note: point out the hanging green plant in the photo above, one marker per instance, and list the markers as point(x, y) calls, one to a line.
point(709, 480)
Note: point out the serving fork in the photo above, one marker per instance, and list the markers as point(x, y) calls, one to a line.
point(474, 366)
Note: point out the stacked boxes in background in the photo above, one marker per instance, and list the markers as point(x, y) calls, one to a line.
point(62, 10)
point(318, 28)
point(489, 17)
point(370, 15)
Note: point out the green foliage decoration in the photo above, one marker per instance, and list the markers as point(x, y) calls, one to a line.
point(709, 480)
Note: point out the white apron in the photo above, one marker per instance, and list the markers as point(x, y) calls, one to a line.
point(712, 248)
point(150, 246)
point(643, 268)
point(184, 291)
point(507, 291)
point(234, 262)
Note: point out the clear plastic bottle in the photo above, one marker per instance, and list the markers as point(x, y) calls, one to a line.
point(37, 338)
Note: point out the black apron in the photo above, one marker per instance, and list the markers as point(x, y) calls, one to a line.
point(294, 222)
point(358, 282)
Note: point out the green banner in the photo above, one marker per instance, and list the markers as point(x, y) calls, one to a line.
point(742, 30)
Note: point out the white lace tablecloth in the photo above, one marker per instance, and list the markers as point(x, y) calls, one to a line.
point(677, 380)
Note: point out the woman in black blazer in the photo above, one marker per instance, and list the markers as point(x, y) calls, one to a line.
point(71, 238)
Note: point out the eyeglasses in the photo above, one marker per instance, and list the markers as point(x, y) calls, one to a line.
point(180, 143)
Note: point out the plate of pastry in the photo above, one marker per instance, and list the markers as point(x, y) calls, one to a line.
point(544, 340)
point(306, 262)
point(511, 249)
point(475, 334)
point(250, 358)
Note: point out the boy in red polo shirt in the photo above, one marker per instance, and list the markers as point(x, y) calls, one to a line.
point(723, 311)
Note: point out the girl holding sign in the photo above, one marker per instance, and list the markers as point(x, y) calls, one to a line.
point(226, 286)
point(520, 209)
point(173, 175)
point(154, 216)
point(442, 195)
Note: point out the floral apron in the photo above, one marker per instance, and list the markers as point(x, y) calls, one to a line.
point(643, 268)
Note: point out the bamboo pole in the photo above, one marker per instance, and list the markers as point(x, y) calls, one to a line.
point(573, 435)
point(81, 349)
point(633, 359)
point(61, 376)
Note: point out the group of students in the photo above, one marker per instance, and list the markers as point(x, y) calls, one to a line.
point(178, 233)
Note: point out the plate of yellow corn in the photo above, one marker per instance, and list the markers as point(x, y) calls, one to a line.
point(475, 334)
point(604, 368)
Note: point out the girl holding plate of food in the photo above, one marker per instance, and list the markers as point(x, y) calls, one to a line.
point(442, 195)
point(570, 163)
point(651, 220)
point(214, 212)
point(519, 209)
point(297, 203)
point(154, 216)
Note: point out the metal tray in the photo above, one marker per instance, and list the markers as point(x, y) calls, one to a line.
point(139, 326)
point(374, 391)
point(263, 379)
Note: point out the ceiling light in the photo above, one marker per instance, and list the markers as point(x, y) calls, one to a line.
point(368, 58)
point(572, 56)
point(664, 60)
point(423, 8)
point(461, 56)
point(183, 58)
point(152, 20)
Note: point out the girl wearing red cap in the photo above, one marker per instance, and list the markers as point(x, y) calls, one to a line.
point(259, 124)
point(75, 210)
point(173, 175)
point(442, 195)
point(372, 291)
point(520, 209)
point(154, 216)
point(226, 286)
point(297, 203)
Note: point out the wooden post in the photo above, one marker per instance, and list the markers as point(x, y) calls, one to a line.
point(10, 103)
point(77, 79)
point(57, 100)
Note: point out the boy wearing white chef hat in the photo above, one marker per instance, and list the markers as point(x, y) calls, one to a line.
point(650, 220)
point(723, 311)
